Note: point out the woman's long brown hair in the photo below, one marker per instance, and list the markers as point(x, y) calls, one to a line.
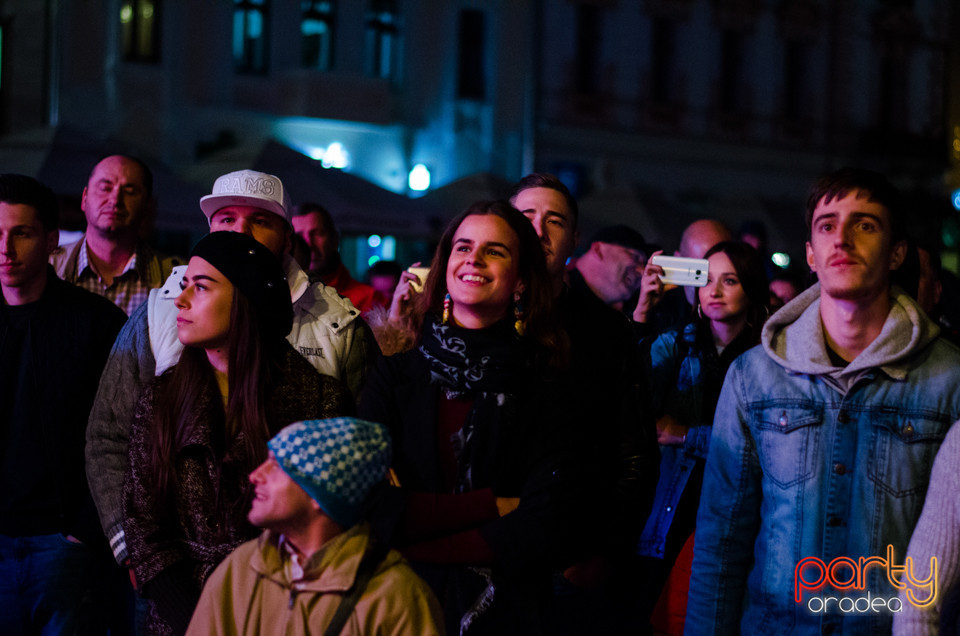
point(251, 365)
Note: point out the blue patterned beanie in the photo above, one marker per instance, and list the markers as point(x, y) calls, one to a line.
point(336, 461)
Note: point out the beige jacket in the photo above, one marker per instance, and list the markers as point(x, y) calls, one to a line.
point(251, 593)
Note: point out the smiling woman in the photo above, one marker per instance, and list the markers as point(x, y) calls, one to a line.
point(203, 426)
point(480, 423)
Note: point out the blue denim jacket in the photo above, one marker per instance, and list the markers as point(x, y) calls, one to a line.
point(675, 386)
point(817, 464)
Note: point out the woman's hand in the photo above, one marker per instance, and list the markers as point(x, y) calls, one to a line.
point(670, 432)
point(404, 296)
point(651, 289)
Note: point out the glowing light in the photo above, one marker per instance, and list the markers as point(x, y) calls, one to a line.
point(955, 198)
point(419, 179)
point(126, 13)
point(373, 259)
point(336, 156)
point(780, 259)
point(373, 240)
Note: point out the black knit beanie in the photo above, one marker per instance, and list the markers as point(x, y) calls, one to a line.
point(255, 272)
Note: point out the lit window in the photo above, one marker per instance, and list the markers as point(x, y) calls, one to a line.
point(140, 30)
point(382, 36)
point(250, 36)
point(316, 34)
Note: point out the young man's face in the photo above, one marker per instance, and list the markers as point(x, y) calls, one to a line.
point(263, 226)
point(554, 223)
point(24, 246)
point(850, 247)
point(279, 503)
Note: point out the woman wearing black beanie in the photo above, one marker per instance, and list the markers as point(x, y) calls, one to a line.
point(202, 427)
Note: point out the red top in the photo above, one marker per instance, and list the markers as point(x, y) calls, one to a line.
point(364, 297)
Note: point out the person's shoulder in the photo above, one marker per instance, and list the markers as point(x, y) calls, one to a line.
point(81, 300)
point(579, 310)
point(64, 254)
point(240, 559)
point(323, 305)
point(398, 577)
point(942, 346)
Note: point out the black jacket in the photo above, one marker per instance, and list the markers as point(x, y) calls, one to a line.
point(68, 338)
point(528, 453)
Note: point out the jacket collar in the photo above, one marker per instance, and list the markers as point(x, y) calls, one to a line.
point(793, 337)
point(333, 568)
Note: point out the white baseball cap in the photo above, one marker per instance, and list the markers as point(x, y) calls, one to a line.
point(248, 187)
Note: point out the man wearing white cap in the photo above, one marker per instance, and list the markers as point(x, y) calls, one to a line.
point(316, 568)
point(327, 331)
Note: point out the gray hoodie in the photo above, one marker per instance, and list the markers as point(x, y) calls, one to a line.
point(793, 337)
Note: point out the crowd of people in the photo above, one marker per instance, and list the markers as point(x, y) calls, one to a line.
point(516, 439)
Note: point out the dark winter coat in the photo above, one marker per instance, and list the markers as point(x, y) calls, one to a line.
point(170, 550)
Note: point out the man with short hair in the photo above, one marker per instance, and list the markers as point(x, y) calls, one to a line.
point(621, 455)
point(315, 225)
point(327, 331)
point(54, 340)
point(824, 436)
point(317, 561)
point(612, 266)
point(111, 259)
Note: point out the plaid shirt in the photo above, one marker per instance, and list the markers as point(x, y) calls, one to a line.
point(128, 291)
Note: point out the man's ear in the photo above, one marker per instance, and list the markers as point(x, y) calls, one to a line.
point(898, 254)
point(520, 288)
point(597, 249)
point(810, 261)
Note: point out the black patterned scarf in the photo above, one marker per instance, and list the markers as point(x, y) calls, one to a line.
point(465, 361)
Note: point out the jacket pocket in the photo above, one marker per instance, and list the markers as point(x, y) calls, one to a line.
point(788, 437)
point(904, 447)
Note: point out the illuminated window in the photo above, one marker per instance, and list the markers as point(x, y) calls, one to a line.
point(250, 36)
point(316, 34)
point(382, 37)
point(140, 30)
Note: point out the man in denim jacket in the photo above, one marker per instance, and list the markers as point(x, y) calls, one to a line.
point(824, 438)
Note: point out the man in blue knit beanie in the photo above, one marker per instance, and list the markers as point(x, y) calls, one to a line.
point(316, 562)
